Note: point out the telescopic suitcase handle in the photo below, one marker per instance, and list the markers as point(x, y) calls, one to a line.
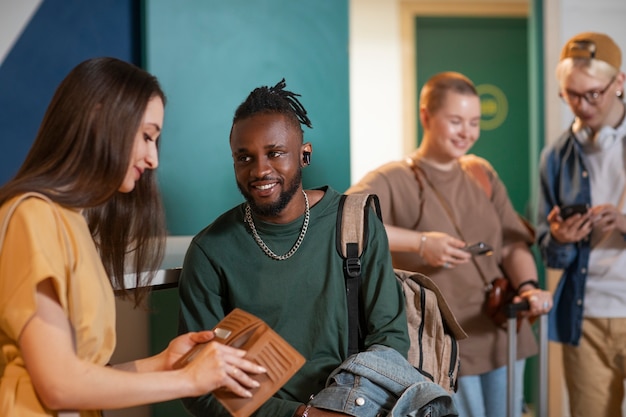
point(511, 311)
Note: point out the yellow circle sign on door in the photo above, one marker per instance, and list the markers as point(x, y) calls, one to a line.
point(494, 106)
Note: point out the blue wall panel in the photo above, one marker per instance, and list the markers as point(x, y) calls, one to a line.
point(60, 34)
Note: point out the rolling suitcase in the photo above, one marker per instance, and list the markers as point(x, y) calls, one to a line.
point(542, 394)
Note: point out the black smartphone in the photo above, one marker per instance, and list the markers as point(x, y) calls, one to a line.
point(569, 210)
point(480, 248)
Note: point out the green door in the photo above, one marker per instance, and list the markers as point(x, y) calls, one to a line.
point(493, 53)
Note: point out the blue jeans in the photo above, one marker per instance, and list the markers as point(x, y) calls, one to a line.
point(484, 395)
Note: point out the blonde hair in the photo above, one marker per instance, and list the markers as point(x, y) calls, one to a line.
point(592, 67)
point(434, 91)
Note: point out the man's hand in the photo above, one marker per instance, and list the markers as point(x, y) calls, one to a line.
point(607, 218)
point(573, 229)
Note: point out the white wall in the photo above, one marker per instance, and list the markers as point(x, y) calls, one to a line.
point(14, 17)
point(564, 19)
point(375, 85)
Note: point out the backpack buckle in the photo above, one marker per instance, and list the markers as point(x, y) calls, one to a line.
point(353, 267)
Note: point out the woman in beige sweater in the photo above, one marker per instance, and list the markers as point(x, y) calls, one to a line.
point(435, 204)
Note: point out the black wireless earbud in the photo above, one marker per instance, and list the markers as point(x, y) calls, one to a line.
point(306, 158)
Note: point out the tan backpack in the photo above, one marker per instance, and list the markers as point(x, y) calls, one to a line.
point(433, 329)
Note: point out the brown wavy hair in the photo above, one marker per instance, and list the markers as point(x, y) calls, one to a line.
point(81, 155)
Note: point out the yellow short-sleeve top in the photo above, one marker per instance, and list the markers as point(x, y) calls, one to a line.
point(35, 249)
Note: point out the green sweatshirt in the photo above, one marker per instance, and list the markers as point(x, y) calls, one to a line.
point(302, 298)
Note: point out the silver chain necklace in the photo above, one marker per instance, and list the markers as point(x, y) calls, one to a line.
point(266, 249)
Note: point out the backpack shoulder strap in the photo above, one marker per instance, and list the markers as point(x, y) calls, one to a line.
point(475, 168)
point(352, 220)
point(351, 240)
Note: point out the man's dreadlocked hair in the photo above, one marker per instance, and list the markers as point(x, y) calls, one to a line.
point(273, 100)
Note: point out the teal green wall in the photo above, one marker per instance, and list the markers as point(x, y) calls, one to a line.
point(209, 55)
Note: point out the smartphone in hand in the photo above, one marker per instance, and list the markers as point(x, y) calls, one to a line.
point(569, 210)
point(480, 248)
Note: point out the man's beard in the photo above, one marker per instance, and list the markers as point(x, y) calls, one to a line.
point(274, 209)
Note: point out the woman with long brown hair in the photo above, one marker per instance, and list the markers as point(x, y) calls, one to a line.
point(83, 208)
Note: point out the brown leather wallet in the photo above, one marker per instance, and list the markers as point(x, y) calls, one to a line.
point(265, 347)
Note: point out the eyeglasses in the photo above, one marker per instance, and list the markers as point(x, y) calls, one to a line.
point(592, 97)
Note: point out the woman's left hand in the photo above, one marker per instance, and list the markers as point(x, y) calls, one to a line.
point(540, 301)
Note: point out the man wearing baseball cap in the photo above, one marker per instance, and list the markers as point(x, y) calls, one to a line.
point(585, 167)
